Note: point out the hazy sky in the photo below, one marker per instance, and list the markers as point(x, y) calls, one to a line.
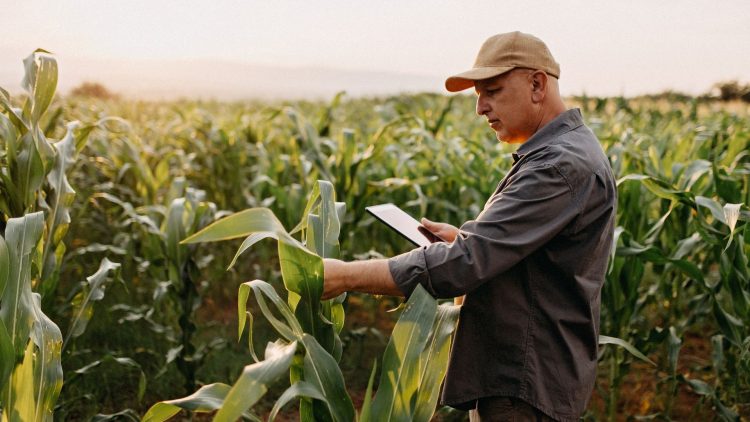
point(304, 47)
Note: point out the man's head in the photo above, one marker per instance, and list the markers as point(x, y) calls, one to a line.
point(515, 78)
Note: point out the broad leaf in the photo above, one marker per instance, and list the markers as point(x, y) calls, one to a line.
point(58, 204)
point(291, 330)
point(7, 356)
point(322, 370)
point(206, 399)
point(366, 409)
point(296, 390)
point(21, 235)
point(18, 396)
point(241, 224)
point(400, 377)
point(48, 373)
point(433, 362)
point(4, 265)
point(93, 290)
point(27, 172)
point(625, 345)
point(254, 380)
point(40, 81)
point(122, 361)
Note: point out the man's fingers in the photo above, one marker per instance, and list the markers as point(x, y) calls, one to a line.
point(432, 225)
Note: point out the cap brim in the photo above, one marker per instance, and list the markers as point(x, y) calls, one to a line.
point(466, 79)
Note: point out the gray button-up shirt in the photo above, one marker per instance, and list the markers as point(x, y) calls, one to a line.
point(532, 265)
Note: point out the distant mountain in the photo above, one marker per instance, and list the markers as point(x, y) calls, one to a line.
point(223, 80)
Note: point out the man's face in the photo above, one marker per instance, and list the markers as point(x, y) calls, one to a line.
point(506, 102)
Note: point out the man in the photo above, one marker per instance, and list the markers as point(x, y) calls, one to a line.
point(532, 263)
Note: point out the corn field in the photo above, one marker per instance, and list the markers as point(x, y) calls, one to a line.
point(124, 296)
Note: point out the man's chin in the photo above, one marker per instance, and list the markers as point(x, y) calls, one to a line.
point(505, 139)
point(508, 139)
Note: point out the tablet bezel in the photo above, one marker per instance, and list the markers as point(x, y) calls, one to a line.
point(400, 221)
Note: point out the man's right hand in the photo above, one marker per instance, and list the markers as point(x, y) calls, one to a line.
point(445, 231)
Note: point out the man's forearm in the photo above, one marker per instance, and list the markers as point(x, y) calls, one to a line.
point(371, 276)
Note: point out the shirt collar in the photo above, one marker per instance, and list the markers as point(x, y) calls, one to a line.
point(564, 122)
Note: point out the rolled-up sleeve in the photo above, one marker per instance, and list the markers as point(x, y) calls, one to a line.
point(528, 210)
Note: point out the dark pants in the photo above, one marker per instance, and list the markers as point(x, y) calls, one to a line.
point(506, 409)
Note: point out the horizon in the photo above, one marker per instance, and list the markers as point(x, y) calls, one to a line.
point(290, 49)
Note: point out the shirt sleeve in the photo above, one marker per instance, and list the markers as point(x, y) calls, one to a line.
point(536, 204)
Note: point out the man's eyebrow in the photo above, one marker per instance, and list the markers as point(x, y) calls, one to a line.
point(488, 85)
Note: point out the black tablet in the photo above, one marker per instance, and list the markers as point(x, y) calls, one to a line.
point(397, 219)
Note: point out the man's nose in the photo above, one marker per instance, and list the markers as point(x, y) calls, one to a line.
point(482, 107)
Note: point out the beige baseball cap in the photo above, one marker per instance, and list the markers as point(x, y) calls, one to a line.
point(504, 52)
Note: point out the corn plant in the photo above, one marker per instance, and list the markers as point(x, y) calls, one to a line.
point(160, 231)
point(35, 198)
point(415, 359)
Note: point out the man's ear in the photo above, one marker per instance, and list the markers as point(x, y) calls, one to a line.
point(538, 81)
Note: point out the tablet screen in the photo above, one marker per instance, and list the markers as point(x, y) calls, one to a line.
point(400, 221)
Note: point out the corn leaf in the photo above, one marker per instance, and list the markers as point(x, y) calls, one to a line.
point(18, 397)
point(253, 382)
point(242, 224)
point(398, 390)
point(48, 372)
point(206, 399)
point(291, 330)
point(21, 236)
point(366, 409)
point(4, 265)
point(296, 390)
point(40, 81)
point(625, 345)
point(27, 172)
point(7, 356)
point(93, 290)
point(433, 362)
point(322, 371)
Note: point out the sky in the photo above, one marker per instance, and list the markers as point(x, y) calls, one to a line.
point(305, 48)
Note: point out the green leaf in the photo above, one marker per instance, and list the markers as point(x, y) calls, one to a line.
point(322, 370)
point(291, 330)
point(700, 387)
point(303, 275)
point(400, 376)
point(714, 207)
point(625, 345)
point(93, 290)
point(660, 188)
point(124, 415)
point(18, 396)
point(208, 398)
point(7, 356)
point(728, 324)
point(40, 81)
point(433, 362)
point(122, 361)
point(4, 265)
point(27, 171)
point(328, 221)
point(250, 241)
point(298, 389)
point(254, 380)
point(21, 236)
point(250, 335)
point(15, 114)
point(48, 372)
point(241, 224)
point(366, 409)
point(312, 200)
